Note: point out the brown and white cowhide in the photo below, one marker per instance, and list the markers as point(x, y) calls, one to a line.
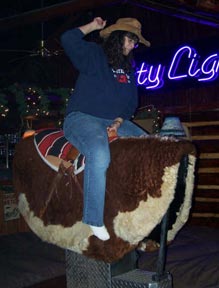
point(141, 182)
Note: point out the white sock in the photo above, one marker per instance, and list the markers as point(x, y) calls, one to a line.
point(100, 232)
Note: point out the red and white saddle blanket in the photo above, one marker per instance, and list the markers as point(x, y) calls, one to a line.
point(53, 148)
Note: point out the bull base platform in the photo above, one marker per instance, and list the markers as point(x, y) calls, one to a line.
point(84, 272)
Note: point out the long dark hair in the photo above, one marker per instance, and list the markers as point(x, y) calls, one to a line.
point(113, 48)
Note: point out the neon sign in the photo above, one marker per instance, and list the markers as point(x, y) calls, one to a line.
point(186, 63)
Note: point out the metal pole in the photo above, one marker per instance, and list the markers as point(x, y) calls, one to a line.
point(161, 262)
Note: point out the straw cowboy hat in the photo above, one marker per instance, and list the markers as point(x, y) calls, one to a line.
point(126, 24)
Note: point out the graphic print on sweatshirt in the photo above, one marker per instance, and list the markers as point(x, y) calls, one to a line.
point(121, 76)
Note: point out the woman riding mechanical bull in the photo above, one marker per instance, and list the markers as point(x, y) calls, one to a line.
point(103, 102)
point(127, 185)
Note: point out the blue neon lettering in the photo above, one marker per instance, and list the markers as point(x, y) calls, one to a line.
point(185, 63)
point(211, 71)
point(177, 61)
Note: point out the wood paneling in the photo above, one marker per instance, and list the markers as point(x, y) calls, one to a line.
point(205, 134)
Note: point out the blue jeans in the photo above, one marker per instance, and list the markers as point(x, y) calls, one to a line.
point(89, 135)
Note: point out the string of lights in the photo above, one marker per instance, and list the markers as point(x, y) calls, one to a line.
point(32, 101)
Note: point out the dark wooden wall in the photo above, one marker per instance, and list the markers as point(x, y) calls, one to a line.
point(198, 109)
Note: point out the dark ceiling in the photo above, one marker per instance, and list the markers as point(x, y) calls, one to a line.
point(31, 29)
point(22, 12)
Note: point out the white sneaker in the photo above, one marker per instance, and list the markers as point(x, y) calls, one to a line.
point(100, 232)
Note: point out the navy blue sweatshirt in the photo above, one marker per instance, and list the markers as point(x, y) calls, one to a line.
point(99, 91)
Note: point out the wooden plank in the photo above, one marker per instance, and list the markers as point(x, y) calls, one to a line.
point(208, 187)
point(200, 123)
point(207, 199)
point(209, 156)
point(208, 170)
point(205, 137)
point(205, 215)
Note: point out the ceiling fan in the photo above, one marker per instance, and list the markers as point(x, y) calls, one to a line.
point(42, 51)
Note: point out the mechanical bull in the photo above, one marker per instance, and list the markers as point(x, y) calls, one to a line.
point(142, 184)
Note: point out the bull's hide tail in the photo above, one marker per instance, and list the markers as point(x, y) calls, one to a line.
point(183, 213)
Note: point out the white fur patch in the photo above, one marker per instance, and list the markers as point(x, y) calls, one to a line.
point(75, 238)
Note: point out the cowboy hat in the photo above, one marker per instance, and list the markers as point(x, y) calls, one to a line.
point(126, 24)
